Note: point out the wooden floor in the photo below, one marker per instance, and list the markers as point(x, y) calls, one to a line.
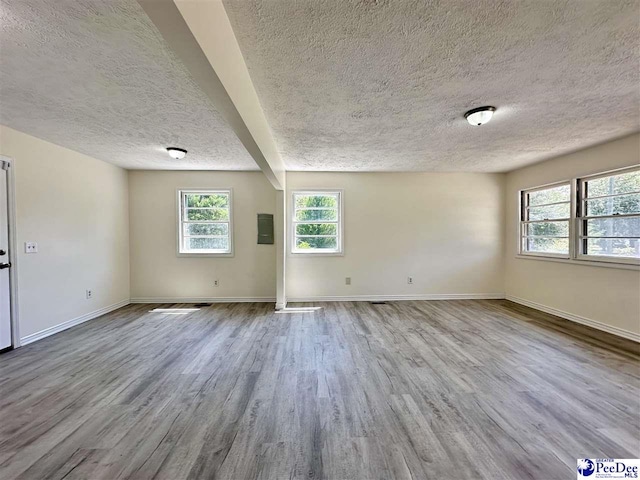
point(442, 389)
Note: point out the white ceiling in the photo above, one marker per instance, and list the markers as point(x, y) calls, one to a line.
point(367, 85)
point(346, 85)
point(96, 76)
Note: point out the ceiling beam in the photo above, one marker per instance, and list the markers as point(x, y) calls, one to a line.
point(200, 35)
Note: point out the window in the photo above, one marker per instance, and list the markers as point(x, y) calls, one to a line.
point(545, 219)
point(593, 218)
point(317, 222)
point(609, 216)
point(205, 222)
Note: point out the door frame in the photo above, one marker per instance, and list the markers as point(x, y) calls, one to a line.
point(13, 250)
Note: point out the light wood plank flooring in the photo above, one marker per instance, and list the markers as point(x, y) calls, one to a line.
point(406, 390)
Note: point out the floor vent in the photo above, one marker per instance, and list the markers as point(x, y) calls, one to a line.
point(200, 305)
point(378, 303)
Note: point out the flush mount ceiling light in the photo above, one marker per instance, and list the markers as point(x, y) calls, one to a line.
point(176, 153)
point(479, 116)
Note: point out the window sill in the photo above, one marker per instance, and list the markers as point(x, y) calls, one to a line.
point(316, 254)
point(585, 263)
point(200, 255)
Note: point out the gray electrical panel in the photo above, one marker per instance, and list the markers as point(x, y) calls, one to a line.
point(265, 229)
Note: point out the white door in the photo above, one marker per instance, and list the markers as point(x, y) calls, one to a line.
point(5, 305)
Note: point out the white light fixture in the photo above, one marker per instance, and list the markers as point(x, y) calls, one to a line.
point(479, 116)
point(176, 153)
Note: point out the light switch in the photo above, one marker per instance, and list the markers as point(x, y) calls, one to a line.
point(30, 247)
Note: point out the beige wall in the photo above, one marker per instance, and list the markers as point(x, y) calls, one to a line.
point(157, 273)
point(455, 234)
point(443, 229)
point(76, 208)
point(610, 296)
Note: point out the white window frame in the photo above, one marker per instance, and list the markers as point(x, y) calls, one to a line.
point(581, 219)
point(339, 222)
point(180, 195)
point(576, 226)
point(522, 195)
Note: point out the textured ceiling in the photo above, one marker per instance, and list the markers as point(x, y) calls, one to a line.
point(383, 84)
point(96, 76)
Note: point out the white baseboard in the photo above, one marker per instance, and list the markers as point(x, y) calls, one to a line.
point(393, 298)
point(202, 299)
point(353, 298)
point(577, 318)
point(71, 323)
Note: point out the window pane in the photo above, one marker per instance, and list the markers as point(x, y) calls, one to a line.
point(317, 229)
point(615, 247)
point(623, 204)
point(560, 193)
point(615, 184)
point(546, 245)
point(198, 214)
point(207, 243)
point(327, 201)
point(547, 229)
point(323, 214)
point(614, 227)
point(206, 229)
point(220, 200)
point(550, 212)
point(317, 243)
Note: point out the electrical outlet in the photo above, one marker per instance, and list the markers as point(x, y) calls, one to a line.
point(89, 294)
point(410, 280)
point(347, 281)
point(216, 283)
point(30, 247)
